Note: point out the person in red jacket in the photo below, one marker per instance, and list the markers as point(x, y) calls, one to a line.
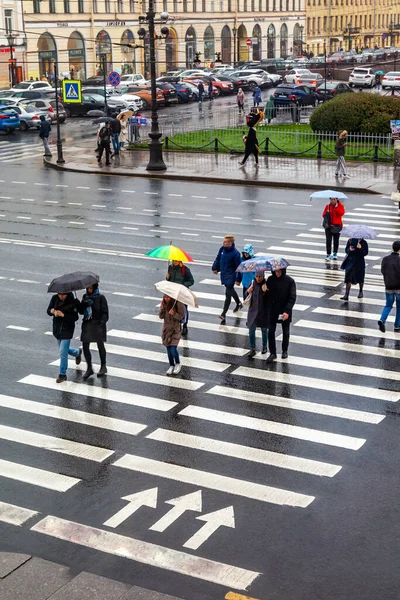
point(333, 223)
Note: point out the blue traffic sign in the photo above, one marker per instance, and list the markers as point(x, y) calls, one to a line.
point(71, 89)
point(114, 78)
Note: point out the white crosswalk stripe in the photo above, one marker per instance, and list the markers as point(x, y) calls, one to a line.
point(14, 152)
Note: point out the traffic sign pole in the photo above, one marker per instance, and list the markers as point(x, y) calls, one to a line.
point(104, 60)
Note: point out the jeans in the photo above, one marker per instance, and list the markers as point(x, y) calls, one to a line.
point(252, 336)
point(46, 146)
point(173, 355)
point(329, 236)
point(65, 349)
point(390, 298)
point(88, 356)
point(340, 166)
point(230, 293)
point(115, 142)
point(271, 336)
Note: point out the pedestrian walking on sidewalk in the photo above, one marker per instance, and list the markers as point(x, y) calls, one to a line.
point(64, 310)
point(200, 88)
point(226, 263)
point(116, 130)
point(210, 91)
point(354, 265)
point(180, 273)
point(258, 313)
point(240, 100)
point(340, 151)
point(270, 110)
point(246, 278)
point(105, 136)
point(172, 313)
point(94, 309)
point(44, 133)
point(390, 269)
point(281, 299)
point(333, 225)
point(251, 146)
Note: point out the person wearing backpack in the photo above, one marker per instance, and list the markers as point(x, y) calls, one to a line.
point(180, 273)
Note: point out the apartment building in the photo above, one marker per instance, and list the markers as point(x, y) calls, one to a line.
point(12, 41)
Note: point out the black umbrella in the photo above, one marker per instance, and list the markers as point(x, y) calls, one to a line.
point(71, 282)
point(96, 113)
point(103, 120)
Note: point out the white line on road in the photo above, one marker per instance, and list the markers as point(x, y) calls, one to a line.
point(18, 328)
point(39, 477)
point(101, 225)
point(173, 212)
point(98, 205)
point(15, 515)
point(82, 187)
point(200, 215)
point(26, 218)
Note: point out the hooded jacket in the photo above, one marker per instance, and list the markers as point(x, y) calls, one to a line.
point(240, 96)
point(246, 278)
point(390, 269)
point(45, 128)
point(181, 274)
point(281, 296)
point(63, 327)
point(226, 263)
point(335, 212)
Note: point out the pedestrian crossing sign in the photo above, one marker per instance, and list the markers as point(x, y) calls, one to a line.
point(72, 91)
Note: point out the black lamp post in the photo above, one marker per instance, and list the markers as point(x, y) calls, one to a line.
point(60, 158)
point(235, 45)
point(156, 162)
point(325, 66)
point(11, 40)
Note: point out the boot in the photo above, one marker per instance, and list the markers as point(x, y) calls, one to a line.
point(185, 329)
point(102, 371)
point(89, 372)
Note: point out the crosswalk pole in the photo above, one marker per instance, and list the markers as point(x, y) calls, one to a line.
point(60, 158)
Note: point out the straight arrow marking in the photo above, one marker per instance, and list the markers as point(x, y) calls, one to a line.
point(191, 501)
point(143, 498)
point(224, 517)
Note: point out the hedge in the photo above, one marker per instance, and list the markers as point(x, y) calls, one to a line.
point(358, 113)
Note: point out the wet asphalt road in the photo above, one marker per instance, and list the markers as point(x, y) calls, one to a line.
point(336, 537)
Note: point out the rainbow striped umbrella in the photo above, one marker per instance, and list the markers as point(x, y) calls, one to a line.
point(169, 253)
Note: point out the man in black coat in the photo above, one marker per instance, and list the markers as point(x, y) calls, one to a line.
point(251, 146)
point(390, 269)
point(281, 299)
point(64, 310)
point(44, 133)
point(116, 130)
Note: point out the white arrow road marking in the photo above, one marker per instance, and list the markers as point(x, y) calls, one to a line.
point(224, 517)
point(144, 498)
point(180, 505)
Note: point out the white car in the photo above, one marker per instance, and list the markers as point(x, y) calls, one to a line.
point(255, 77)
point(191, 73)
point(131, 101)
point(31, 85)
point(295, 75)
point(131, 79)
point(275, 78)
point(363, 76)
point(391, 80)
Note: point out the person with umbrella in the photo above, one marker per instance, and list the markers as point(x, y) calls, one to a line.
point(354, 265)
point(390, 269)
point(172, 313)
point(333, 223)
point(180, 273)
point(226, 263)
point(94, 309)
point(281, 299)
point(64, 310)
point(258, 315)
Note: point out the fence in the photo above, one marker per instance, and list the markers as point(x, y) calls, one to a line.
point(290, 142)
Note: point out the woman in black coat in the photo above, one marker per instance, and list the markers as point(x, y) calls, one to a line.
point(257, 315)
point(281, 299)
point(64, 310)
point(251, 145)
point(94, 309)
point(354, 265)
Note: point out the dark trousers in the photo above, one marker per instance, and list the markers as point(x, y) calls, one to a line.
point(247, 154)
point(329, 236)
point(230, 293)
point(107, 149)
point(271, 336)
point(88, 356)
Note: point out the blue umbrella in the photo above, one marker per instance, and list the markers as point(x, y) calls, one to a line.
point(359, 232)
point(327, 194)
point(259, 264)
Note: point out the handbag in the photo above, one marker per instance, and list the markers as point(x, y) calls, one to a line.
point(326, 223)
point(395, 197)
point(247, 300)
point(336, 228)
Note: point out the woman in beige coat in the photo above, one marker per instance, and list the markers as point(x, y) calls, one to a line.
point(172, 312)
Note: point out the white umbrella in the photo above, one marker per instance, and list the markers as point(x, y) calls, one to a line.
point(178, 292)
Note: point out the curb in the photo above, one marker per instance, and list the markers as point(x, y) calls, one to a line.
point(89, 170)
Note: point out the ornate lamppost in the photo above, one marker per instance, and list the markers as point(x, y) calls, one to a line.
point(11, 40)
point(156, 162)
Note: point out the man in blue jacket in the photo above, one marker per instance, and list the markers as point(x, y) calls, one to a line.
point(226, 263)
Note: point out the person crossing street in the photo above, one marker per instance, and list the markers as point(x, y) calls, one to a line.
point(390, 269)
point(44, 133)
point(281, 299)
point(180, 273)
point(226, 263)
point(333, 224)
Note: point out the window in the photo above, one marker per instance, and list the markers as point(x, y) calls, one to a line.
point(132, 6)
point(308, 26)
point(318, 24)
point(281, 5)
point(120, 6)
point(107, 6)
point(81, 6)
point(245, 5)
point(67, 7)
point(176, 5)
point(194, 5)
point(253, 6)
point(341, 23)
point(336, 23)
point(203, 6)
point(370, 21)
point(36, 6)
point(8, 20)
point(325, 24)
point(260, 5)
point(95, 9)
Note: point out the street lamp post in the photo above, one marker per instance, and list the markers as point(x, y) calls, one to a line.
point(234, 30)
point(156, 162)
point(103, 57)
point(11, 40)
point(325, 65)
point(60, 157)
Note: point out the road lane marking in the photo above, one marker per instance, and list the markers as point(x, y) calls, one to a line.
point(15, 515)
point(26, 218)
point(39, 477)
point(173, 212)
point(101, 225)
point(339, 328)
point(18, 328)
point(213, 481)
point(200, 215)
point(147, 553)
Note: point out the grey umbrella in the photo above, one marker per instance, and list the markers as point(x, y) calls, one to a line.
point(103, 120)
point(71, 282)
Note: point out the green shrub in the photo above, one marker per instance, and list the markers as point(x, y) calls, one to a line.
point(358, 113)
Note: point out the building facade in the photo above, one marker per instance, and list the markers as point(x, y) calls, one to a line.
point(78, 33)
point(12, 41)
point(351, 24)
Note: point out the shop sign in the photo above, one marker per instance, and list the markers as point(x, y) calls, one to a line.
point(116, 24)
point(76, 52)
point(47, 54)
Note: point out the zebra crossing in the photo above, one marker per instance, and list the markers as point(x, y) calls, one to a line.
point(14, 152)
point(234, 428)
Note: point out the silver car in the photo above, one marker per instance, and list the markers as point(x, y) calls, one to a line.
point(28, 117)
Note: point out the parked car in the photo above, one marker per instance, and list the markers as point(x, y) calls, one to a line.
point(48, 107)
point(391, 80)
point(286, 93)
point(169, 93)
point(28, 116)
point(169, 79)
point(183, 92)
point(89, 102)
point(295, 74)
point(131, 78)
point(330, 89)
point(143, 92)
point(31, 85)
point(9, 119)
point(193, 85)
point(337, 57)
point(205, 80)
point(115, 100)
point(255, 78)
point(190, 72)
point(223, 83)
point(311, 81)
point(96, 80)
point(48, 93)
point(363, 76)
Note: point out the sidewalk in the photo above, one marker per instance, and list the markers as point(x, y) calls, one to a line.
point(224, 168)
point(23, 577)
